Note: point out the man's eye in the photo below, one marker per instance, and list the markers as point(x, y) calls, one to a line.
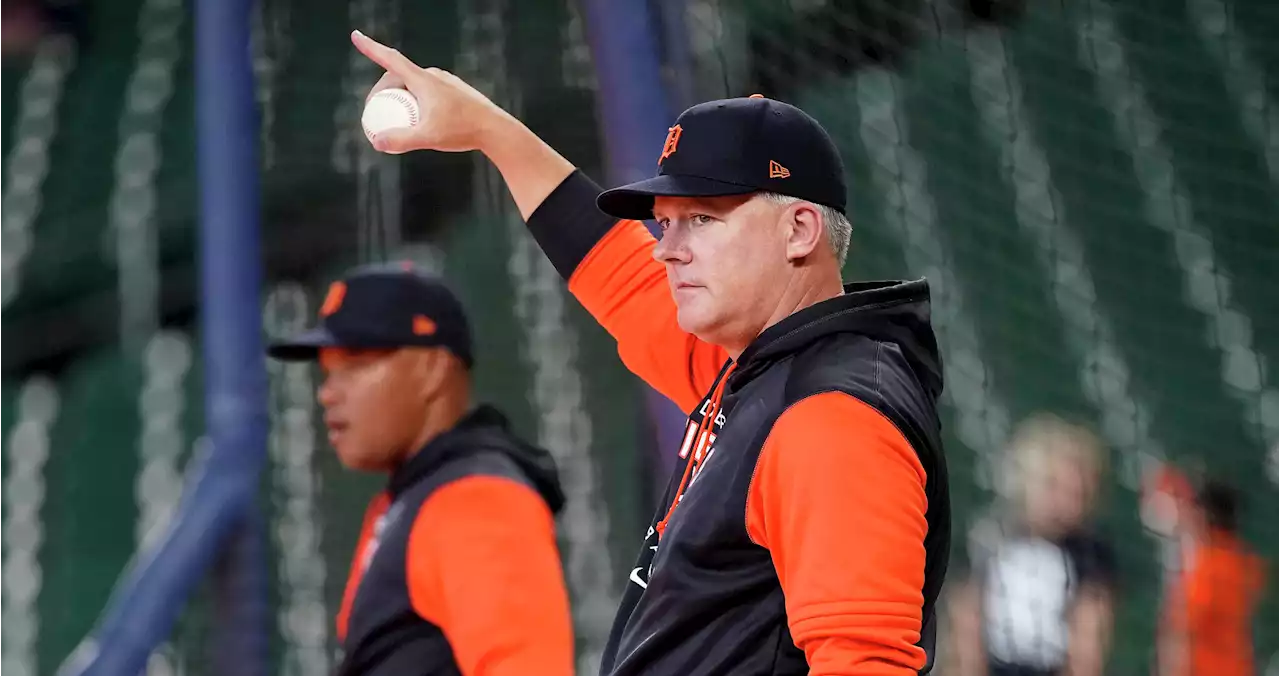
point(700, 219)
point(663, 223)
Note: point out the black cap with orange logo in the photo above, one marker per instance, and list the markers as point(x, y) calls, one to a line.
point(734, 147)
point(384, 306)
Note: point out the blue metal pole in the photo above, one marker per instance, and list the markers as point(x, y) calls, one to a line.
point(635, 115)
point(153, 591)
point(633, 103)
point(220, 498)
point(241, 610)
point(677, 53)
point(230, 301)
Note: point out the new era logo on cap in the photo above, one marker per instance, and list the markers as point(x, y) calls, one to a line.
point(736, 147)
point(423, 325)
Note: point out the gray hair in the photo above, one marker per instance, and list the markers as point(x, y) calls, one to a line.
point(837, 224)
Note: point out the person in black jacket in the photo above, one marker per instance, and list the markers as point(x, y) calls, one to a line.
point(456, 570)
point(807, 528)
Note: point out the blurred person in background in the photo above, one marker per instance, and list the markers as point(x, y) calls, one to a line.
point(1213, 583)
point(1167, 503)
point(456, 570)
point(1037, 600)
point(807, 530)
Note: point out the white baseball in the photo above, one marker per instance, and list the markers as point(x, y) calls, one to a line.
point(389, 109)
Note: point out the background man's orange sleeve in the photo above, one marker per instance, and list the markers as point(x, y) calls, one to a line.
point(838, 500)
point(482, 565)
point(626, 290)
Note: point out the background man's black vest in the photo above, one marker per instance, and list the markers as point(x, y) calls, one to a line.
point(384, 633)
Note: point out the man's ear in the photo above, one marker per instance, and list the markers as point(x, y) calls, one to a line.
point(431, 370)
point(805, 230)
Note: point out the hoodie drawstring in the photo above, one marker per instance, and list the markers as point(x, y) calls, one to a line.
point(701, 446)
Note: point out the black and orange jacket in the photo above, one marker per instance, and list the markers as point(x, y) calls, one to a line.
point(456, 570)
point(807, 530)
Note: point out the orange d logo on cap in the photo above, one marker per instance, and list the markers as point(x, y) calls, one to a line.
point(333, 301)
point(673, 141)
point(383, 306)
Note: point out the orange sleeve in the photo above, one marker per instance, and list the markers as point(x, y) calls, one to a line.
point(482, 565)
point(1221, 588)
point(838, 499)
point(1202, 582)
point(626, 290)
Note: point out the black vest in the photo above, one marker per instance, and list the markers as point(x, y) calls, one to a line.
point(707, 600)
point(384, 633)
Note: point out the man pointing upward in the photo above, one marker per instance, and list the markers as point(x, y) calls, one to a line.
point(806, 530)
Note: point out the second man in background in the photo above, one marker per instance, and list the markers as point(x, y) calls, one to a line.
point(456, 570)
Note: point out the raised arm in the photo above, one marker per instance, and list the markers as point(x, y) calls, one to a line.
point(609, 264)
point(611, 270)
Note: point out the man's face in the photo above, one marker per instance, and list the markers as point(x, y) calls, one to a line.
point(373, 405)
point(726, 262)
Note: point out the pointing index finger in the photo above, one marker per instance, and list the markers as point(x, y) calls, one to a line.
point(387, 81)
point(390, 59)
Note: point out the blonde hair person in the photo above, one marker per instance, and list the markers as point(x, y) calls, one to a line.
point(1037, 601)
point(1050, 473)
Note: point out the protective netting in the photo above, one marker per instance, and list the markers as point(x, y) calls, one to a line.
point(1089, 186)
point(102, 398)
point(540, 361)
point(1091, 189)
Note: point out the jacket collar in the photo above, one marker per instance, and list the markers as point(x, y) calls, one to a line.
point(483, 429)
point(897, 312)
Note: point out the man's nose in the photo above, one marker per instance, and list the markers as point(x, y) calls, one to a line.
point(327, 394)
point(671, 248)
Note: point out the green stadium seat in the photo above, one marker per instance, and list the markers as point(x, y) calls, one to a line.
point(310, 99)
point(9, 391)
point(90, 508)
point(1135, 268)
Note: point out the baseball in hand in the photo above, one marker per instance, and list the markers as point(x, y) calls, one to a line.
point(389, 109)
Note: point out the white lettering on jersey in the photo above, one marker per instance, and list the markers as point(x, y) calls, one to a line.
point(697, 470)
point(375, 538)
point(691, 429)
point(635, 572)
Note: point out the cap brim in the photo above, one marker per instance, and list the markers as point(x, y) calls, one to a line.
point(304, 346)
point(635, 200)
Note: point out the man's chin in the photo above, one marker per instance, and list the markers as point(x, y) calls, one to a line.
point(690, 321)
point(700, 324)
point(360, 462)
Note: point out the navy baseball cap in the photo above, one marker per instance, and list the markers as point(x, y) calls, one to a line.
point(736, 147)
point(384, 307)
